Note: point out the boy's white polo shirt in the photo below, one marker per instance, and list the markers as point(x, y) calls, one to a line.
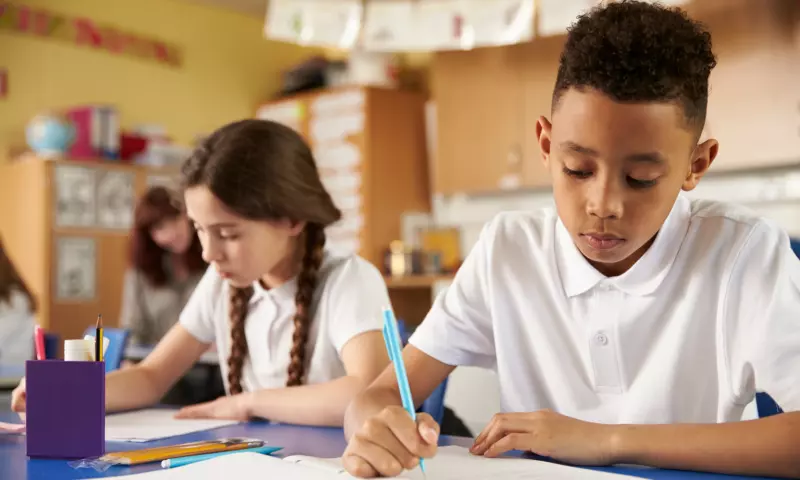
point(348, 300)
point(707, 316)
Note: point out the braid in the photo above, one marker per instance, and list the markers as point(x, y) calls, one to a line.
point(306, 283)
point(238, 313)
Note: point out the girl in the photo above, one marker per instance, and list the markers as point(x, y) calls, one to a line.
point(298, 329)
point(166, 265)
point(17, 307)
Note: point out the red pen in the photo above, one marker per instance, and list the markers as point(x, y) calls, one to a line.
point(39, 337)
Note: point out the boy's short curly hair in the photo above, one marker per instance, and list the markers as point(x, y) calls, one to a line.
point(633, 51)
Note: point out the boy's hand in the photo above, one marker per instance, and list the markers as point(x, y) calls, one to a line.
point(548, 434)
point(390, 442)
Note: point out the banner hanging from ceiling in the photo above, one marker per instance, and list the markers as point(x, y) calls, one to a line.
point(329, 23)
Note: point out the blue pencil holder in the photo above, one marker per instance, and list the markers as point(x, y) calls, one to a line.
point(65, 409)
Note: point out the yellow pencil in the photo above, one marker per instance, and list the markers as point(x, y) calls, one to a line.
point(98, 339)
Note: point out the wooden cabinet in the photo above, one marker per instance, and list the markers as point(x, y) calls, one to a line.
point(32, 235)
point(754, 103)
point(488, 101)
point(369, 144)
point(480, 120)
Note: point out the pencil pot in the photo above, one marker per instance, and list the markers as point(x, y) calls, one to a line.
point(65, 409)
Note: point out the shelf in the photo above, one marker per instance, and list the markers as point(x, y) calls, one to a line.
point(416, 281)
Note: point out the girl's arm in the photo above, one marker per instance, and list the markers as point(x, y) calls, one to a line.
point(364, 357)
point(146, 383)
point(131, 315)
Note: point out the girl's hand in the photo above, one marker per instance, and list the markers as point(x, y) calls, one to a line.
point(234, 407)
point(548, 434)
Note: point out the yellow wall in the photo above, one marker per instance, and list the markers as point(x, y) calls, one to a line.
point(228, 68)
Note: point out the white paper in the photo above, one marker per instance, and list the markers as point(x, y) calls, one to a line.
point(335, 103)
point(153, 424)
point(456, 463)
point(288, 113)
point(450, 463)
point(115, 200)
point(75, 268)
point(75, 196)
point(556, 15)
point(335, 128)
point(311, 22)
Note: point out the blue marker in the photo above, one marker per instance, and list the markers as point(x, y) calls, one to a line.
point(391, 335)
point(181, 461)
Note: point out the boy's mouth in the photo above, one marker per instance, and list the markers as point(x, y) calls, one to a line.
point(602, 241)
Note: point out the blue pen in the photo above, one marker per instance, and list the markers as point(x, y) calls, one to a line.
point(391, 335)
point(181, 461)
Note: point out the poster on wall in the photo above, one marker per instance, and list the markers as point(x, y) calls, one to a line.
point(446, 24)
point(311, 22)
point(75, 273)
point(115, 200)
point(74, 196)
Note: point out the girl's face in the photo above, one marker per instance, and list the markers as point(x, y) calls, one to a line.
point(173, 234)
point(242, 250)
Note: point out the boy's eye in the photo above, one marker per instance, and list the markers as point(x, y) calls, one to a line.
point(577, 173)
point(634, 183)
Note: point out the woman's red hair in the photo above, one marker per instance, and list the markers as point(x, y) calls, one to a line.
point(155, 206)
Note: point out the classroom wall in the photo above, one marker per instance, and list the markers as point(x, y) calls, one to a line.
point(228, 68)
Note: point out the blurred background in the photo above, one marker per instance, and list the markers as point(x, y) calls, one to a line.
point(421, 115)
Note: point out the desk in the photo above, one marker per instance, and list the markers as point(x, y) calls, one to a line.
point(320, 442)
point(10, 375)
point(138, 352)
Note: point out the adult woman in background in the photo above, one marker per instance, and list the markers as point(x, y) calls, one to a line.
point(166, 264)
point(17, 307)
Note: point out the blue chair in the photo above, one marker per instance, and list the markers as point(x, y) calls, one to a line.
point(795, 242)
point(766, 406)
point(434, 404)
point(117, 342)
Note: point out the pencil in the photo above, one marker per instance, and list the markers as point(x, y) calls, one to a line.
point(98, 339)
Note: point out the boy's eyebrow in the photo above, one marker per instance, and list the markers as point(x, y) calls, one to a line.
point(649, 157)
point(568, 145)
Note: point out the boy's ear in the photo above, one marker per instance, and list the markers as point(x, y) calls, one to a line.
point(543, 134)
point(703, 156)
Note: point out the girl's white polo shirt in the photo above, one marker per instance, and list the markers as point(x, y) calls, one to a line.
point(708, 316)
point(348, 301)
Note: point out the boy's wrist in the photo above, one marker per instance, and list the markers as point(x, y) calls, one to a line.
point(620, 441)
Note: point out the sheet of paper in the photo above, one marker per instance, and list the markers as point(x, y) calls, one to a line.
point(12, 427)
point(456, 463)
point(153, 424)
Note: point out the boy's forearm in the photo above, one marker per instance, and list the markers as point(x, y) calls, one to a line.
point(766, 447)
point(367, 404)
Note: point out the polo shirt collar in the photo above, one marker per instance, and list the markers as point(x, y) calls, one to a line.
point(579, 276)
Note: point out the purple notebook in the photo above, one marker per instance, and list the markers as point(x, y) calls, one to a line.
point(65, 409)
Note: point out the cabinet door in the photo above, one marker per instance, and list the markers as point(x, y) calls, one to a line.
point(540, 68)
point(480, 116)
point(754, 102)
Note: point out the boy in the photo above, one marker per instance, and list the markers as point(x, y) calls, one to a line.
point(634, 325)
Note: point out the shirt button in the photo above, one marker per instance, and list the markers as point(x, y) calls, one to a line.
point(601, 339)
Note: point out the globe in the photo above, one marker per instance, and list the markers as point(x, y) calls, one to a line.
point(49, 135)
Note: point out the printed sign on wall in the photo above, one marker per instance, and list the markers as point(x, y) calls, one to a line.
point(85, 32)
